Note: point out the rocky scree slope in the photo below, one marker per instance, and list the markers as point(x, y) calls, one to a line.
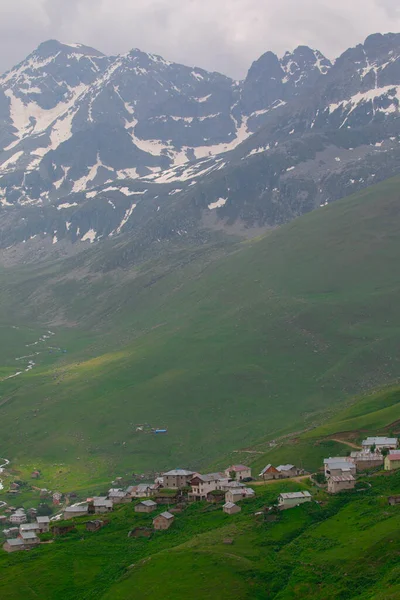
point(94, 146)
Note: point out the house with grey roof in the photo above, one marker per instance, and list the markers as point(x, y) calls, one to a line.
point(43, 523)
point(18, 517)
point(14, 545)
point(238, 472)
point(203, 484)
point(380, 443)
point(11, 532)
point(29, 527)
point(178, 478)
point(237, 494)
point(143, 490)
point(101, 504)
point(288, 471)
point(269, 472)
point(75, 511)
point(366, 460)
point(338, 483)
point(29, 538)
point(118, 496)
point(230, 508)
point(146, 506)
point(339, 465)
point(163, 521)
point(292, 499)
point(225, 485)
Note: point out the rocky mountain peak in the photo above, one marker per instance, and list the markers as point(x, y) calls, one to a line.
point(54, 47)
point(303, 60)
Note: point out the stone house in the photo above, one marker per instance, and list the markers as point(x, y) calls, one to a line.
point(215, 496)
point(14, 545)
point(3, 519)
point(178, 478)
point(203, 484)
point(240, 472)
point(101, 504)
point(75, 511)
point(163, 521)
point(380, 443)
point(392, 461)
point(35, 475)
point(167, 496)
point(118, 496)
point(29, 538)
point(339, 465)
point(44, 524)
point(146, 506)
point(94, 525)
point(225, 485)
point(236, 494)
point(366, 460)
point(143, 490)
point(338, 483)
point(230, 508)
point(18, 517)
point(292, 499)
point(288, 471)
point(62, 529)
point(29, 527)
point(12, 532)
point(269, 472)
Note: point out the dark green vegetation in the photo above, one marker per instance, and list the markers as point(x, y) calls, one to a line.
point(226, 345)
point(346, 548)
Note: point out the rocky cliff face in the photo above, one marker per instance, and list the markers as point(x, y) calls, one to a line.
point(93, 146)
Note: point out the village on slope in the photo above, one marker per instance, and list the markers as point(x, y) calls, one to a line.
point(176, 488)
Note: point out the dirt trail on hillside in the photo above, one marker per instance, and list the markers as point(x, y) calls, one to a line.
point(350, 444)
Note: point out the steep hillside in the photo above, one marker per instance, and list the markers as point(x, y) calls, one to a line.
point(223, 350)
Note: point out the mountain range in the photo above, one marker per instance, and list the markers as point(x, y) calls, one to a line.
point(93, 146)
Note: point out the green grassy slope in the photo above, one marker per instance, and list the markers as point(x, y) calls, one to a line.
point(375, 413)
point(313, 551)
point(225, 351)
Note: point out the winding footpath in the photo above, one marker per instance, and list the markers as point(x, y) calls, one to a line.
point(30, 364)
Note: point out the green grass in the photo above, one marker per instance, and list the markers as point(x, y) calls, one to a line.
point(378, 411)
point(311, 552)
point(226, 345)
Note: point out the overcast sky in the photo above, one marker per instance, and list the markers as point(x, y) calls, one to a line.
point(221, 35)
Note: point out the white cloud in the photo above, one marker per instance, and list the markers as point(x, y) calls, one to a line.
point(223, 35)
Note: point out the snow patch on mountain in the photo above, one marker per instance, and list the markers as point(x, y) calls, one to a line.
point(82, 183)
point(218, 204)
point(126, 218)
point(90, 236)
point(29, 118)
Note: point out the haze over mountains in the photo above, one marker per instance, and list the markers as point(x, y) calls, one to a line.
point(94, 146)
